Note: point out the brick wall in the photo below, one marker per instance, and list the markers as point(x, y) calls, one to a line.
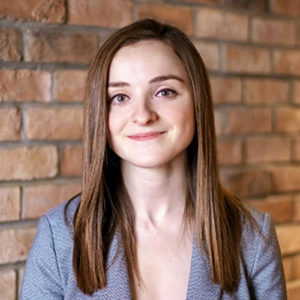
point(252, 51)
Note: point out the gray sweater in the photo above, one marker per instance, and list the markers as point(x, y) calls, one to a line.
point(49, 275)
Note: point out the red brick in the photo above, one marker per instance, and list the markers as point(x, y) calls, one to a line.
point(248, 120)
point(253, 5)
point(288, 120)
point(293, 290)
point(296, 150)
point(279, 207)
point(296, 92)
point(212, 2)
point(246, 59)
point(8, 284)
point(266, 92)
point(287, 263)
point(180, 16)
point(273, 32)
point(20, 9)
point(9, 203)
point(209, 53)
point(10, 44)
point(15, 244)
point(297, 209)
point(218, 122)
point(38, 199)
point(20, 278)
point(54, 123)
point(25, 85)
point(290, 7)
point(268, 149)
point(10, 124)
point(52, 11)
point(70, 85)
point(298, 35)
point(286, 178)
point(71, 162)
point(222, 25)
point(117, 13)
point(230, 152)
point(28, 163)
point(289, 238)
point(59, 47)
point(287, 62)
point(297, 266)
point(226, 90)
point(247, 183)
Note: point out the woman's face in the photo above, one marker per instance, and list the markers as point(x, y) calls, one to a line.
point(151, 109)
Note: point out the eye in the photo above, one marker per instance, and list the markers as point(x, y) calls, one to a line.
point(119, 99)
point(166, 93)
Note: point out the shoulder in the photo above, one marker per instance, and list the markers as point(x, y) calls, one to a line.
point(259, 224)
point(70, 206)
point(257, 214)
point(49, 262)
point(256, 225)
point(55, 227)
point(62, 214)
point(261, 257)
point(57, 224)
point(259, 239)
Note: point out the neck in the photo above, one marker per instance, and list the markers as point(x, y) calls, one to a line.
point(157, 194)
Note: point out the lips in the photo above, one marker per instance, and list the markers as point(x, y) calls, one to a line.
point(145, 136)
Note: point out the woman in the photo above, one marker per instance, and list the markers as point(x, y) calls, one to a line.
point(152, 221)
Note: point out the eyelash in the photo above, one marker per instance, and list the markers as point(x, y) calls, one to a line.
point(169, 91)
point(113, 99)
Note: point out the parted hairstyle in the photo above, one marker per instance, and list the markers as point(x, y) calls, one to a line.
point(105, 208)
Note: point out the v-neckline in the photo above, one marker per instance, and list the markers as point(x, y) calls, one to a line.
point(200, 285)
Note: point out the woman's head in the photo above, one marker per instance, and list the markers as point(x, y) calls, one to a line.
point(151, 109)
point(96, 110)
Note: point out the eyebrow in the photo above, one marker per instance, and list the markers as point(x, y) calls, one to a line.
point(165, 77)
point(155, 79)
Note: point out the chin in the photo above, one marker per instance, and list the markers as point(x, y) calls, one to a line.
point(156, 162)
point(147, 164)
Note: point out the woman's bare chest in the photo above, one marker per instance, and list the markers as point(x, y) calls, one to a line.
point(164, 263)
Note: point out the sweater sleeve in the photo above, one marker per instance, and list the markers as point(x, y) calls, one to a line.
point(267, 277)
point(42, 278)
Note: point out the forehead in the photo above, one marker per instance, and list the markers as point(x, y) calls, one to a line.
point(149, 57)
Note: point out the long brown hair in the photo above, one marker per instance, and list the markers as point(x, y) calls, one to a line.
point(105, 206)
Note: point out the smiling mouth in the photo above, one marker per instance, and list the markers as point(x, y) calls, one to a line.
point(146, 136)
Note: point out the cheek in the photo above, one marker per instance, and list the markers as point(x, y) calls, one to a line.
point(115, 124)
point(188, 118)
point(112, 122)
point(110, 129)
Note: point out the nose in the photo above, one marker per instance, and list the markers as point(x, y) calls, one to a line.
point(144, 113)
